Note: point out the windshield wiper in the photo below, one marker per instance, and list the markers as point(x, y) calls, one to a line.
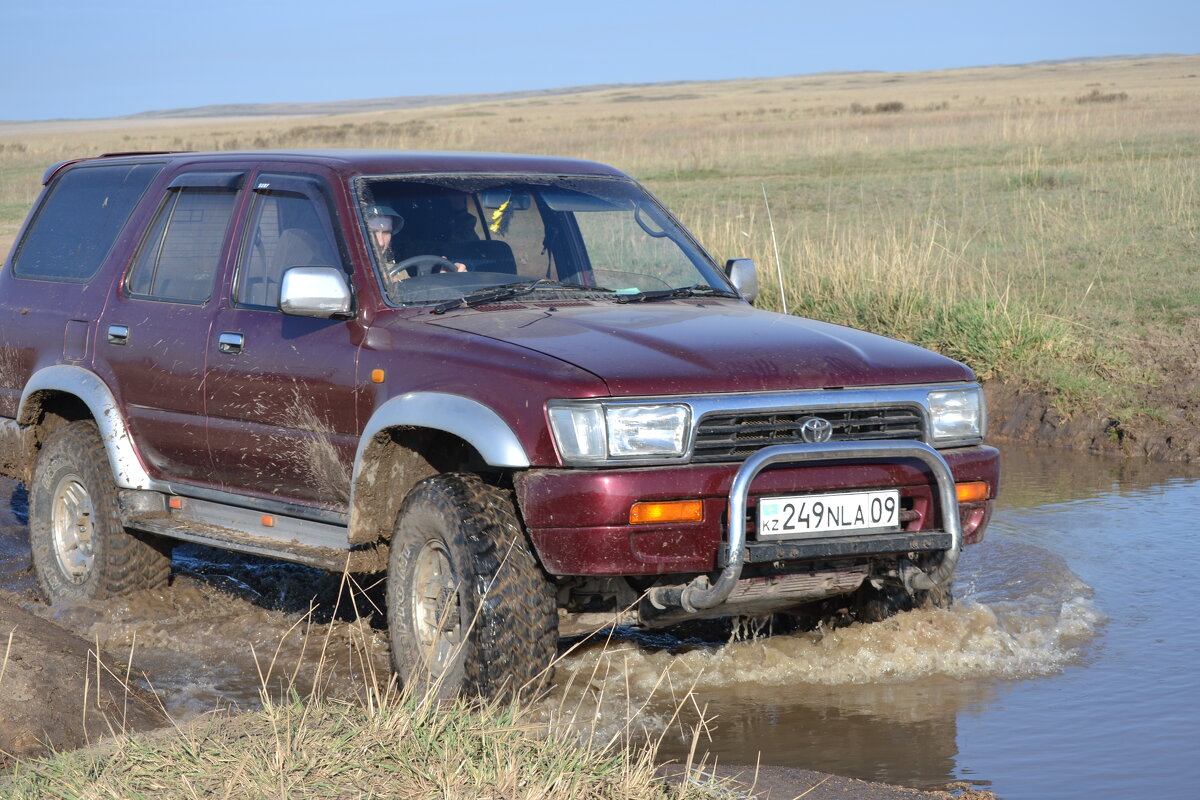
point(507, 291)
point(699, 290)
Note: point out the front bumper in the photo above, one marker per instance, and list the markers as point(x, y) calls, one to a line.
point(579, 519)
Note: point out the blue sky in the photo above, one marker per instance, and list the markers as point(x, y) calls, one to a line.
point(70, 58)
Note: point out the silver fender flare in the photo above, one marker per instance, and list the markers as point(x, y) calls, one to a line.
point(127, 469)
point(469, 420)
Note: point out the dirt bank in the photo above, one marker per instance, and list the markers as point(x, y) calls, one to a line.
point(1159, 421)
point(55, 692)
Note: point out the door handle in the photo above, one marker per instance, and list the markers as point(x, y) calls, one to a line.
point(118, 334)
point(231, 343)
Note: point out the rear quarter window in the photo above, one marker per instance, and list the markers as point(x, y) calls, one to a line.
point(79, 221)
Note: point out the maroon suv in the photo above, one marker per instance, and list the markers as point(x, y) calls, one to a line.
point(515, 383)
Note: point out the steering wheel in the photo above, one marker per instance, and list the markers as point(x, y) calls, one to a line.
point(423, 265)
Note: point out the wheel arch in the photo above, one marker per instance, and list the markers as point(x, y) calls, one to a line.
point(64, 391)
point(414, 436)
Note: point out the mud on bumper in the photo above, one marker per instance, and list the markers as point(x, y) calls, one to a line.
point(579, 519)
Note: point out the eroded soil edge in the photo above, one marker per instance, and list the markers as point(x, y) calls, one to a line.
point(55, 693)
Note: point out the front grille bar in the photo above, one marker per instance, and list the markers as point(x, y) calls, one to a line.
point(732, 437)
point(699, 594)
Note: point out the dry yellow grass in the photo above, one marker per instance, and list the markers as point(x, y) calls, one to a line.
point(1054, 207)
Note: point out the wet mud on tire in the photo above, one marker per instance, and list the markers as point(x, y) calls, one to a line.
point(500, 633)
point(80, 549)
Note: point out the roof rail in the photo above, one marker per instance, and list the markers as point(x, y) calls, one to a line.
point(142, 153)
point(56, 168)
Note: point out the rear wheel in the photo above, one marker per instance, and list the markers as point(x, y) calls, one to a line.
point(470, 610)
point(80, 549)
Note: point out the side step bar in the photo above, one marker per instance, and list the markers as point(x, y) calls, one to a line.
point(316, 544)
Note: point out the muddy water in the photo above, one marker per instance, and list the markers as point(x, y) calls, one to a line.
point(1067, 668)
point(226, 630)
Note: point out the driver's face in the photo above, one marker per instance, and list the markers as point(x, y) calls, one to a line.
point(382, 239)
point(381, 232)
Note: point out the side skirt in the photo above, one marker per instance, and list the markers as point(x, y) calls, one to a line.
point(317, 544)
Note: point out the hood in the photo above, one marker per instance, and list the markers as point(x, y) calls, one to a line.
point(704, 346)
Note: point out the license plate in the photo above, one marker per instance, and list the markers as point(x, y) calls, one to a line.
point(813, 514)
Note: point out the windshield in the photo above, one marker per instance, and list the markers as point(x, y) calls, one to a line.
point(444, 238)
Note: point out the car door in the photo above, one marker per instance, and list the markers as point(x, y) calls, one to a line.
point(152, 331)
point(280, 389)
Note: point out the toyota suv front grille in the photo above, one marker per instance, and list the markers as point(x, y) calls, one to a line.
point(733, 437)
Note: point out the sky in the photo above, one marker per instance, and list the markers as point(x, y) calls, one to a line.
point(85, 59)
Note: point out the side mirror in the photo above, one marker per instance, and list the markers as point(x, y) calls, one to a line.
point(320, 292)
point(744, 277)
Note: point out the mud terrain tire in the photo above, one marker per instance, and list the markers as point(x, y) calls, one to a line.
point(470, 610)
point(80, 549)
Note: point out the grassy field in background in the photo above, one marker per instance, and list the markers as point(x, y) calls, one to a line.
point(1039, 222)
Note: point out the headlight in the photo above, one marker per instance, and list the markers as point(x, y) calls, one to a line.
point(597, 432)
point(957, 414)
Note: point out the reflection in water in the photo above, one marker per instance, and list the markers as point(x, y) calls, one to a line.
point(875, 701)
point(1065, 670)
point(1035, 684)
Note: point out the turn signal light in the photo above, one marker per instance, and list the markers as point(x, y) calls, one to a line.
point(972, 492)
point(666, 511)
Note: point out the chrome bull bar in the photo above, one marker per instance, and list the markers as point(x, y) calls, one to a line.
point(699, 594)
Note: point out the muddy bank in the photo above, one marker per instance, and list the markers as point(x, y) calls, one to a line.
point(1166, 430)
point(55, 693)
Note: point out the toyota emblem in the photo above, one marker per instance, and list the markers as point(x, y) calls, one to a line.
point(815, 430)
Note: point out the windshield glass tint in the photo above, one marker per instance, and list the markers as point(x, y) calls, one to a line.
point(439, 238)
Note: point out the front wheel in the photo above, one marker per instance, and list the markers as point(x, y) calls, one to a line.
point(470, 610)
point(80, 549)
point(871, 604)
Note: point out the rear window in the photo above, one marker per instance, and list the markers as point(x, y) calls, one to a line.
point(79, 220)
point(179, 258)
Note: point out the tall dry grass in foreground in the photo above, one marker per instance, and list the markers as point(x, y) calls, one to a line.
point(1041, 223)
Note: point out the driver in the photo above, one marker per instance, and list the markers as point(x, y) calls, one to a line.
point(382, 223)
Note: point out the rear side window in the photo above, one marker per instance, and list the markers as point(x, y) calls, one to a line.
point(178, 259)
point(80, 219)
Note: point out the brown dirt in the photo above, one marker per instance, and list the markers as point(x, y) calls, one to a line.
point(1161, 424)
point(55, 693)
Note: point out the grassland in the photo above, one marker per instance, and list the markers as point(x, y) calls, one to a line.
point(1039, 222)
